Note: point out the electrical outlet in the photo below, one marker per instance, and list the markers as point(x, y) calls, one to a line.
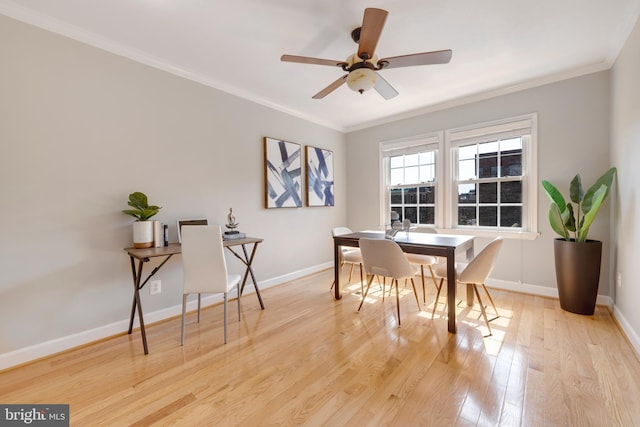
point(155, 287)
point(619, 280)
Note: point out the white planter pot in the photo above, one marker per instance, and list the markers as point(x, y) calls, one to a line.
point(143, 234)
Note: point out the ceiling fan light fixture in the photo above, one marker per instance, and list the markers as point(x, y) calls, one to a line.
point(361, 79)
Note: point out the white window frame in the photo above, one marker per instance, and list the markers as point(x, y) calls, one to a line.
point(446, 173)
point(433, 141)
point(489, 131)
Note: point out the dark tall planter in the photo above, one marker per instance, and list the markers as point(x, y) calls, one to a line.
point(578, 274)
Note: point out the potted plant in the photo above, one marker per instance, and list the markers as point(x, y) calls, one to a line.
point(577, 257)
point(142, 228)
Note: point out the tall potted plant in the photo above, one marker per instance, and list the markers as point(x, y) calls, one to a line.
point(577, 258)
point(142, 228)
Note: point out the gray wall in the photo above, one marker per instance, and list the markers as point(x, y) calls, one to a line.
point(625, 125)
point(80, 129)
point(573, 136)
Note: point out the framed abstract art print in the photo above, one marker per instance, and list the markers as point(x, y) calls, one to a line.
point(283, 173)
point(319, 177)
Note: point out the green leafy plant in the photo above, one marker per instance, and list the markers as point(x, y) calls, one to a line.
point(141, 209)
point(564, 218)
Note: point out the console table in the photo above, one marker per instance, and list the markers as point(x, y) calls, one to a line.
point(166, 252)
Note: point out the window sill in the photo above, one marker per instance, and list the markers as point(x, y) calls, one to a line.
point(515, 235)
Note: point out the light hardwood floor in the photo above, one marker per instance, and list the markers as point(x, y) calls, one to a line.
point(308, 359)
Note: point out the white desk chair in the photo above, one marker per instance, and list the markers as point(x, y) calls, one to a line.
point(205, 270)
point(385, 258)
point(475, 273)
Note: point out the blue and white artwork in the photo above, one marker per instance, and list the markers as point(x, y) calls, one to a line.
point(319, 177)
point(283, 173)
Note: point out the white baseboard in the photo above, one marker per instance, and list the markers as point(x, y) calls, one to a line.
point(542, 291)
point(633, 337)
point(48, 348)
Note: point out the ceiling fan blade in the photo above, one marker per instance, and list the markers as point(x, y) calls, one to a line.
point(384, 88)
point(309, 60)
point(372, 25)
point(425, 58)
point(333, 86)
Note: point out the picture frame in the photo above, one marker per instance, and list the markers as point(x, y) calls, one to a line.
point(282, 174)
point(320, 176)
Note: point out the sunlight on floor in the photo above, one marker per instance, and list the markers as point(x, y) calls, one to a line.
point(471, 316)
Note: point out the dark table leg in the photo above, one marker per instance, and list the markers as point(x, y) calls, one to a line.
point(247, 261)
point(451, 289)
point(137, 301)
point(250, 271)
point(336, 270)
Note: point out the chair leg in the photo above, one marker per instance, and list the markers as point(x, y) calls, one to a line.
point(225, 317)
point(433, 277)
point(484, 313)
point(415, 294)
point(351, 273)
point(492, 303)
point(334, 282)
point(424, 295)
point(435, 303)
point(199, 304)
point(238, 290)
point(184, 312)
point(361, 280)
point(366, 292)
point(397, 300)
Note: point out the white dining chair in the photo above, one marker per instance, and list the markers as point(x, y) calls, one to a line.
point(348, 255)
point(383, 257)
point(423, 261)
point(475, 273)
point(205, 269)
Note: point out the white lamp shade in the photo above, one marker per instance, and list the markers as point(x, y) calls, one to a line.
point(361, 79)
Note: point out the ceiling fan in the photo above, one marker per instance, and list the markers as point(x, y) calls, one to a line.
point(362, 67)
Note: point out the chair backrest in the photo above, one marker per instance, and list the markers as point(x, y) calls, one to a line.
point(203, 261)
point(481, 266)
point(339, 231)
point(427, 230)
point(384, 257)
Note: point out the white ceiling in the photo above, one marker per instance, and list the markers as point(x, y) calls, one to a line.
point(498, 46)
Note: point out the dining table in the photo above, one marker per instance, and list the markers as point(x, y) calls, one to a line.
point(434, 244)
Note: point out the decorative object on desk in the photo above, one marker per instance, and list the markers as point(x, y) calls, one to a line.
point(282, 174)
point(231, 221)
point(234, 235)
point(231, 224)
point(577, 258)
point(319, 177)
point(165, 230)
point(142, 211)
point(158, 234)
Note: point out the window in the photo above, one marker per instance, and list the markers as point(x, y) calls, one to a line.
point(490, 183)
point(493, 167)
point(410, 180)
point(479, 177)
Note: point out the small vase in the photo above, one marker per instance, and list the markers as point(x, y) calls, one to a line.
point(142, 234)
